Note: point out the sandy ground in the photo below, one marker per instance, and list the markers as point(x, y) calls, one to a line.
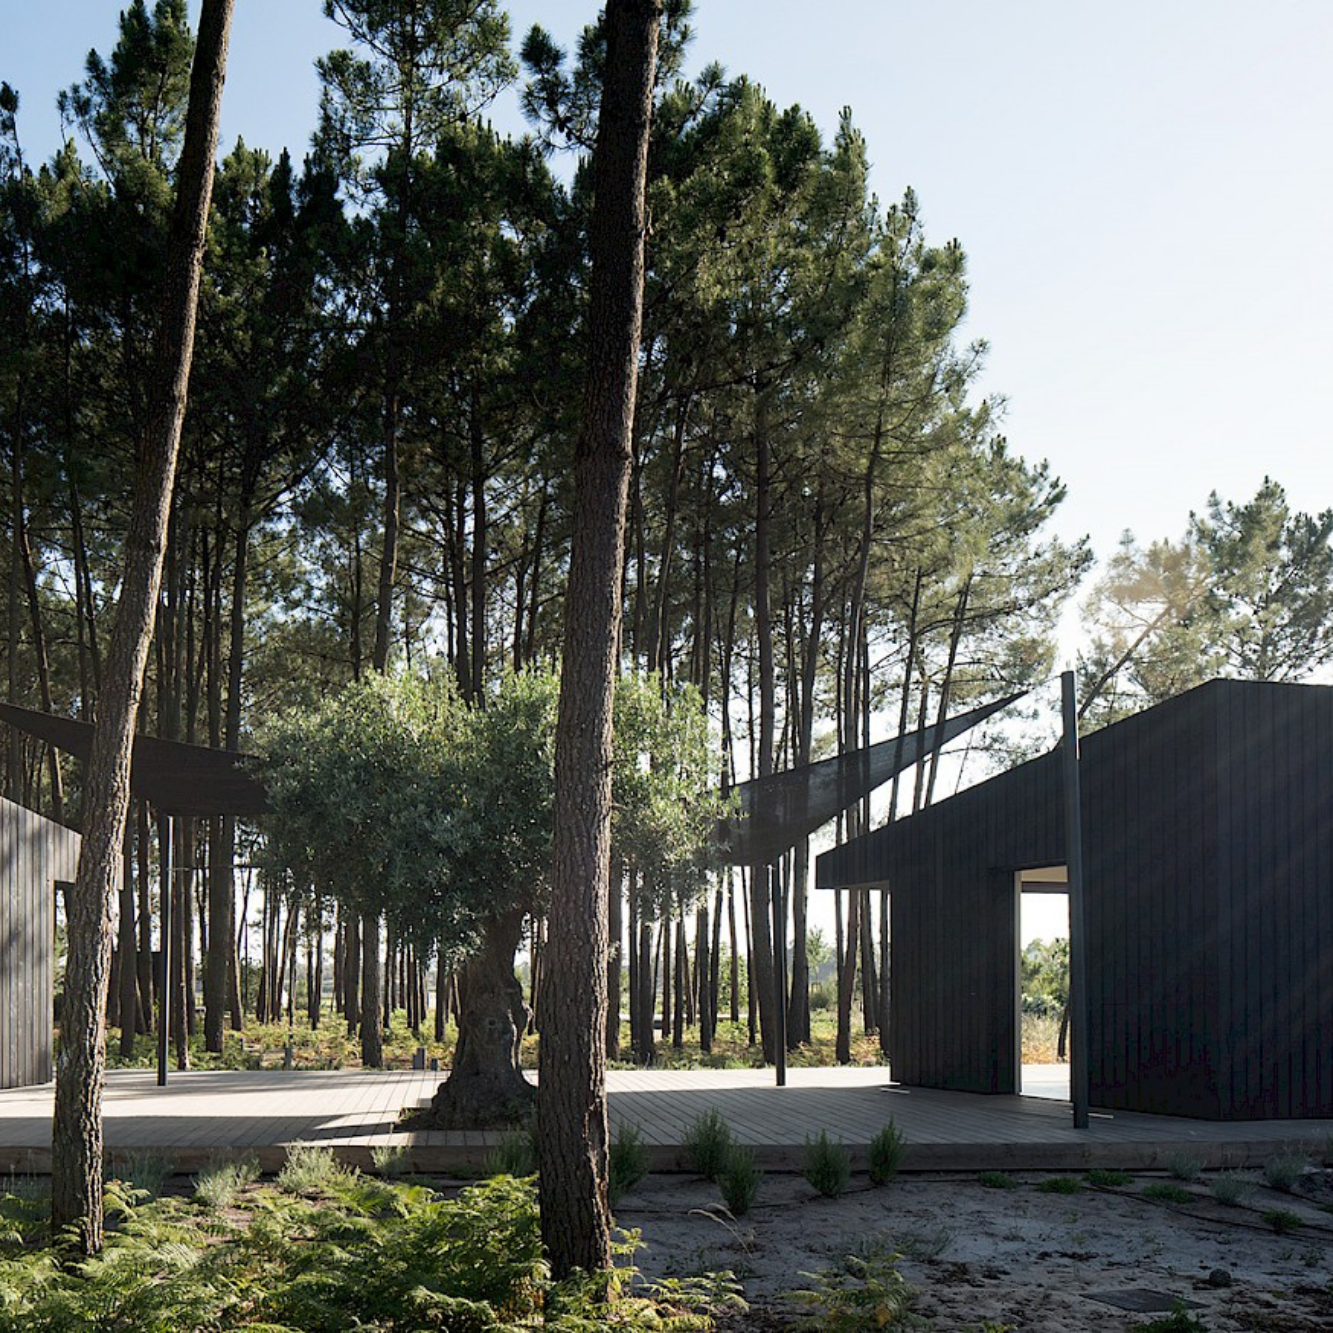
point(1021, 1258)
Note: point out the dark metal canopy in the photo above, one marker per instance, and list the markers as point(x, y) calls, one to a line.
point(776, 812)
point(176, 778)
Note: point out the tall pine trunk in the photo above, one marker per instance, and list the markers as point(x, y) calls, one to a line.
point(76, 1140)
point(575, 1212)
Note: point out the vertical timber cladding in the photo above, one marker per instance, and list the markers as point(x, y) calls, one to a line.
point(1275, 909)
point(1150, 788)
point(35, 853)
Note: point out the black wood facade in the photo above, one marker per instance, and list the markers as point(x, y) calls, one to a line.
point(1208, 856)
point(35, 855)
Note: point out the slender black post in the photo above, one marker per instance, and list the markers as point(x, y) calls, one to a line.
point(777, 881)
point(165, 853)
point(1078, 949)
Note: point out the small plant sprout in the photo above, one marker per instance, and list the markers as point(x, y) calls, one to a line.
point(887, 1150)
point(1283, 1170)
point(707, 1143)
point(740, 1179)
point(828, 1165)
point(628, 1161)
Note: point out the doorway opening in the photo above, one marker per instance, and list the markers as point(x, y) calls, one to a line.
point(1042, 981)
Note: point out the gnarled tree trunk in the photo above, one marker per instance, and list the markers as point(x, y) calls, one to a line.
point(486, 1086)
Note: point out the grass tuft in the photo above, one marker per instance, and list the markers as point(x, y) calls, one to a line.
point(1060, 1185)
point(391, 1160)
point(997, 1180)
point(1283, 1220)
point(1104, 1178)
point(1166, 1191)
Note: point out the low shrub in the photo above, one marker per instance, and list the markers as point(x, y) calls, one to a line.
point(828, 1165)
point(391, 1160)
point(887, 1150)
point(1283, 1170)
point(997, 1180)
point(707, 1143)
point(311, 1169)
point(1230, 1187)
point(739, 1180)
point(218, 1186)
point(1184, 1165)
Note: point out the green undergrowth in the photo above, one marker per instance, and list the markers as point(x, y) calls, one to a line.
point(264, 1046)
point(321, 1250)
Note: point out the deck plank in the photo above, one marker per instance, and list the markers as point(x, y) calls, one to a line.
point(205, 1113)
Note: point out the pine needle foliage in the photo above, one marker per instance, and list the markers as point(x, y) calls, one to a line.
point(707, 1143)
point(828, 1165)
point(739, 1180)
point(887, 1150)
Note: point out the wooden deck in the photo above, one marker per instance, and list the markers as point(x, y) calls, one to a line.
point(201, 1116)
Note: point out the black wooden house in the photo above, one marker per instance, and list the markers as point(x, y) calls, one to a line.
point(36, 855)
point(1208, 863)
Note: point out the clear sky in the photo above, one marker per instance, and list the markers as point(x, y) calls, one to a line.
point(1143, 190)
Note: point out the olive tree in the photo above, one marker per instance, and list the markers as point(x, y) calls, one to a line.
point(397, 797)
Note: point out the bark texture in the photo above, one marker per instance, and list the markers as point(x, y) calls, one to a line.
point(572, 1126)
point(76, 1140)
point(486, 1086)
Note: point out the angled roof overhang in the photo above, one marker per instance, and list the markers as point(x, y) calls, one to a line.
point(776, 812)
point(176, 778)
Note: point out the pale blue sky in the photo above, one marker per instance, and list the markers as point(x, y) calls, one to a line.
point(1143, 189)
